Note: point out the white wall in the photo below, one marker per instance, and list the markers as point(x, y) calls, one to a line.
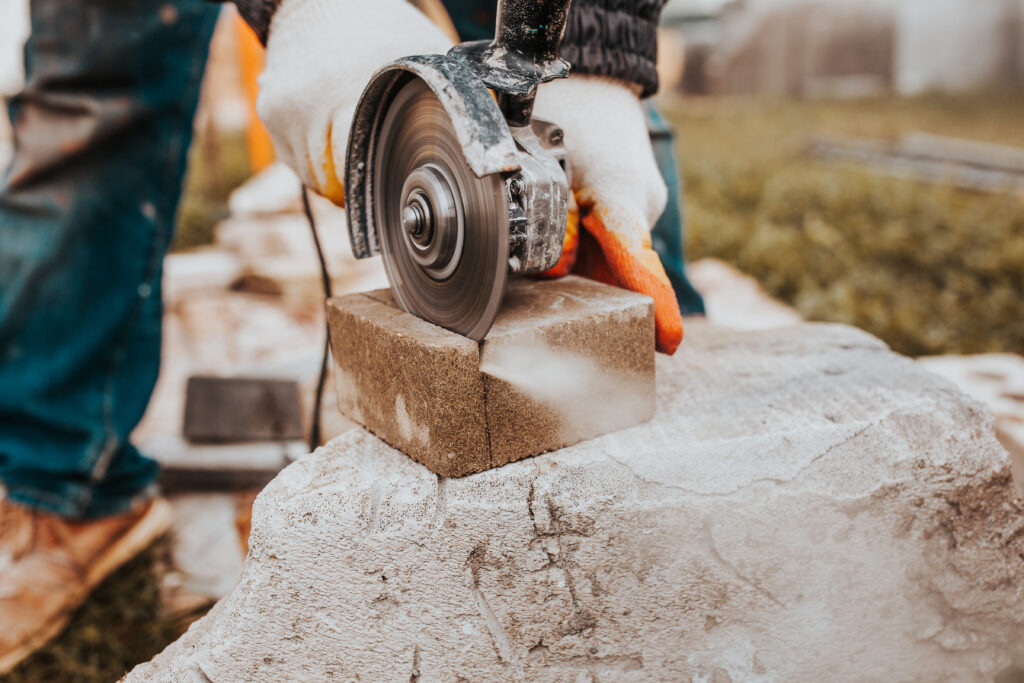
point(953, 44)
point(13, 31)
point(949, 45)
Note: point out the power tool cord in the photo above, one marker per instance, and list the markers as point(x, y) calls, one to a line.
point(314, 428)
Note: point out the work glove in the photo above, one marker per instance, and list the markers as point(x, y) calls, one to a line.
point(618, 189)
point(320, 56)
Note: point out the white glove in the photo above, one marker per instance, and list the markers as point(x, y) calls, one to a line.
point(609, 146)
point(619, 191)
point(320, 56)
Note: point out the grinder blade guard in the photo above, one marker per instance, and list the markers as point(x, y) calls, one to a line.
point(455, 187)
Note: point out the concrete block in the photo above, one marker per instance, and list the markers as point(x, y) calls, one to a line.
point(566, 360)
point(193, 467)
point(232, 409)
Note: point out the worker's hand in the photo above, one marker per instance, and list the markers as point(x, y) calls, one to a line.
point(320, 56)
point(619, 192)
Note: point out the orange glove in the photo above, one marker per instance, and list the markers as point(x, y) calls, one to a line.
point(619, 193)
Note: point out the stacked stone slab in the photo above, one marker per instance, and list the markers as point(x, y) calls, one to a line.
point(566, 360)
point(805, 505)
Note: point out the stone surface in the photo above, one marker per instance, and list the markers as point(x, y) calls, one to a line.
point(997, 380)
point(736, 300)
point(805, 505)
point(566, 360)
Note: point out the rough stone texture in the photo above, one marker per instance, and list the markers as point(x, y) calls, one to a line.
point(804, 506)
point(565, 361)
point(997, 380)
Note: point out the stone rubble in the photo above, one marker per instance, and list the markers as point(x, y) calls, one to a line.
point(211, 328)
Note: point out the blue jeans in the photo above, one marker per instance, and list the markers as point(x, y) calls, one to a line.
point(87, 207)
point(668, 236)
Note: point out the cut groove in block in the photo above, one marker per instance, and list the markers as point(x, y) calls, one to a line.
point(566, 360)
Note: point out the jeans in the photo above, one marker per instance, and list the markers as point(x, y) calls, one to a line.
point(102, 129)
point(668, 236)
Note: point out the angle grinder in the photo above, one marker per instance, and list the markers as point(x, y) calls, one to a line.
point(452, 180)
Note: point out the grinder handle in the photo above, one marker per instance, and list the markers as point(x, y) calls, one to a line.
point(532, 28)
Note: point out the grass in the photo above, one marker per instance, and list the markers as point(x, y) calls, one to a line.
point(929, 269)
point(121, 624)
point(218, 163)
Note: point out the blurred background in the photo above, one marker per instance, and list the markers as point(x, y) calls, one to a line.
point(859, 163)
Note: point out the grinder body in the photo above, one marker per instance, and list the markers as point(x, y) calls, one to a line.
point(449, 177)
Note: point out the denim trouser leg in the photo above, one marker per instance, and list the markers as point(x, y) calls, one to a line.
point(668, 237)
point(101, 129)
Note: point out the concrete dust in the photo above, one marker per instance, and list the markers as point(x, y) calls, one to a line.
point(578, 388)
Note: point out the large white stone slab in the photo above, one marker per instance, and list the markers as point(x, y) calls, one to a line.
point(805, 506)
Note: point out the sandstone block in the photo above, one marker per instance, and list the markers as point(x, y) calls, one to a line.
point(804, 506)
point(566, 360)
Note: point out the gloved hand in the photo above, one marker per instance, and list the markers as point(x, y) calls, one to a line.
point(618, 189)
point(320, 56)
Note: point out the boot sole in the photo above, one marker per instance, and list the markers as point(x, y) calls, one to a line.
point(156, 521)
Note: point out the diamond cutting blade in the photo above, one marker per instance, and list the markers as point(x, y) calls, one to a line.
point(443, 230)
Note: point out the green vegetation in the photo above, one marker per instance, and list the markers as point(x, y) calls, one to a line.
point(929, 269)
point(217, 164)
point(121, 624)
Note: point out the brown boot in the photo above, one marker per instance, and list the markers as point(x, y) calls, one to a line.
point(48, 565)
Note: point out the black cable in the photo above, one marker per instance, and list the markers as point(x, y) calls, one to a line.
point(314, 428)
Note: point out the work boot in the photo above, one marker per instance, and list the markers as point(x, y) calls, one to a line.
point(48, 565)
